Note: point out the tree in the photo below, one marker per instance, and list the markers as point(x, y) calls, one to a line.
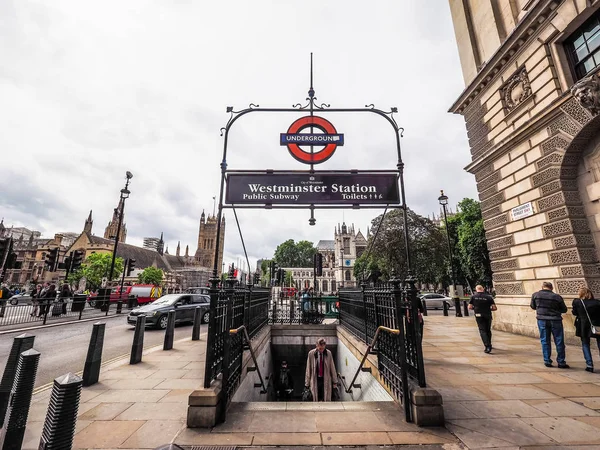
point(387, 254)
point(470, 244)
point(292, 254)
point(151, 275)
point(289, 278)
point(94, 268)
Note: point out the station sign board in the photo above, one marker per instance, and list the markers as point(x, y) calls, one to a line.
point(321, 188)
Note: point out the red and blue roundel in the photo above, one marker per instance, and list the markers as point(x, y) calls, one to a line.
point(330, 139)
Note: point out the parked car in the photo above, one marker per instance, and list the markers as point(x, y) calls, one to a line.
point(20, 299)
point(184, 306)
point(436, 301)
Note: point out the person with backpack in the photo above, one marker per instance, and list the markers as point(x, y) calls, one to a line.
point(586, 310)
point(483, 304)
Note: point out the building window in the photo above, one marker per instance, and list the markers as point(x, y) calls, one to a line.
point(583, 47)
point(325, 285)
point(348, 275)
point(346, 246)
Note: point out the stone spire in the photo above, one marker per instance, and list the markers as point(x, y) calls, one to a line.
point(178, 251)
point(87, 228)
point(167, 250)
point(187, 251)
point(161, 245)
point(111, 230)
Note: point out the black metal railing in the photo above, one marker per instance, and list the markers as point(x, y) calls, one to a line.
point(230, 308)
point(310, 310)
point(393, 306)
point(46, 311)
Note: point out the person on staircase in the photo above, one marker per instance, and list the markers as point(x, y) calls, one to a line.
point(321, 376)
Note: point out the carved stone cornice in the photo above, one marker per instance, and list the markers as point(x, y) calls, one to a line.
point(532, 22)
point(587, 92)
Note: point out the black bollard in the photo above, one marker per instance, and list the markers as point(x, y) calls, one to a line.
point(61, 418)
point(91, 369)
point(170, 331)
point(138, 340)
point(119, 306)
point(424, 303)
point(197, 323)
point(20, 344)
point(465, 308)
point(19, 402)
point(446, 309)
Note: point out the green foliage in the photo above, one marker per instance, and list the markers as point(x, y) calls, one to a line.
point(292, 254)
point(470, 245)
point(94, 268)
point(387, 256)
point(151, 275)
point(289, 279)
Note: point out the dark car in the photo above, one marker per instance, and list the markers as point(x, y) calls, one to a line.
point(184, 306)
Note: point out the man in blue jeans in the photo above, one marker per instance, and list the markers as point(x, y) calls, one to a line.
point(549, 308)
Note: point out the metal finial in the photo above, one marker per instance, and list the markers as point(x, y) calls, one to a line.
point(311, 91)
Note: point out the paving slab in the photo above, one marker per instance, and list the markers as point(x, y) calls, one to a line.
point(153, 433)
point(366, 438)
point(284, 439)
point(561, 408)
point(106, 434)
point(104, 411)
point(566, 430)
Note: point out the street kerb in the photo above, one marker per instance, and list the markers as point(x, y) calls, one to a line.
point(112, 363)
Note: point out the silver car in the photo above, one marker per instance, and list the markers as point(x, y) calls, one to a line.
point(436, 301)
point(20, 299)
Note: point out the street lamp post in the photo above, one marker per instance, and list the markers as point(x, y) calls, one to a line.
point(443, 199)
point(124, 195)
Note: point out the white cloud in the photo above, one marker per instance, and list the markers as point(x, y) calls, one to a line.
point(90, 90)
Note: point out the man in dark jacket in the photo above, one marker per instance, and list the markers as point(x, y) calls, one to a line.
point(549, 308)
point(483, 304)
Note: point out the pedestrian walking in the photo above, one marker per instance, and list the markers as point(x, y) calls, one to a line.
point(65, 295)
point(549, 308)
point(5, 294)
point(321, 376)
point(48, 297)
point(482, 305)
point(586, 310)
point(35, 300)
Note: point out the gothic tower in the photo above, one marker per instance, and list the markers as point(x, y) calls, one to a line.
point(87, 228)
point(207, 240)
point(111, 230)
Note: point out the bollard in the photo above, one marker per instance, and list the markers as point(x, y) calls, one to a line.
point(197, 323)
point(91, 369)
point(119, 306)
point(457, 310)
point(138, 340)
point(446, 309)
point(170, 331)
point(61, 418)
point(19, 402)
point(424, 303)
point(465, 308)
point(20, 344)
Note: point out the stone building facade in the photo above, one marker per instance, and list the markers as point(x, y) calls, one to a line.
point(531, 106)
point(207, 240)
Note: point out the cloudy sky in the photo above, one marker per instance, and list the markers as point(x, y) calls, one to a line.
point(91, 89)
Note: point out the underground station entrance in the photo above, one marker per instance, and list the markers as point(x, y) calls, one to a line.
point(259, 343)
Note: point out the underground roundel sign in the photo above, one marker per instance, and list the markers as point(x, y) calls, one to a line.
point(326, 142)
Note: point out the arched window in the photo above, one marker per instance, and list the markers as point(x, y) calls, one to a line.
point(333, 285)
point(348, 275)
point(325, 286)
point(316, 285)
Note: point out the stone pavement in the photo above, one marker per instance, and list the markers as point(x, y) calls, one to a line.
point(504, 400)
point(509, 398)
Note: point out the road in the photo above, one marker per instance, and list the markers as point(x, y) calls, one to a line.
point(64, 348)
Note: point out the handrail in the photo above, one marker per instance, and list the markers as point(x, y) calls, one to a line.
point(342, 380)
point(245, 330)
point(369, 348)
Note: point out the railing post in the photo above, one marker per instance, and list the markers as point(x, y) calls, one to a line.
point(397, 293)
point(197, 322)
point(61, 418)
point(170, 331)
point(11, 437)
point(229, 292)
point(445, 307)
point(93, 361)
point(21, 343)
point(465, 308)
point(212, 331)
point(46, 309)
point(138, 339)
point(411, 293)
point(363, 286)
